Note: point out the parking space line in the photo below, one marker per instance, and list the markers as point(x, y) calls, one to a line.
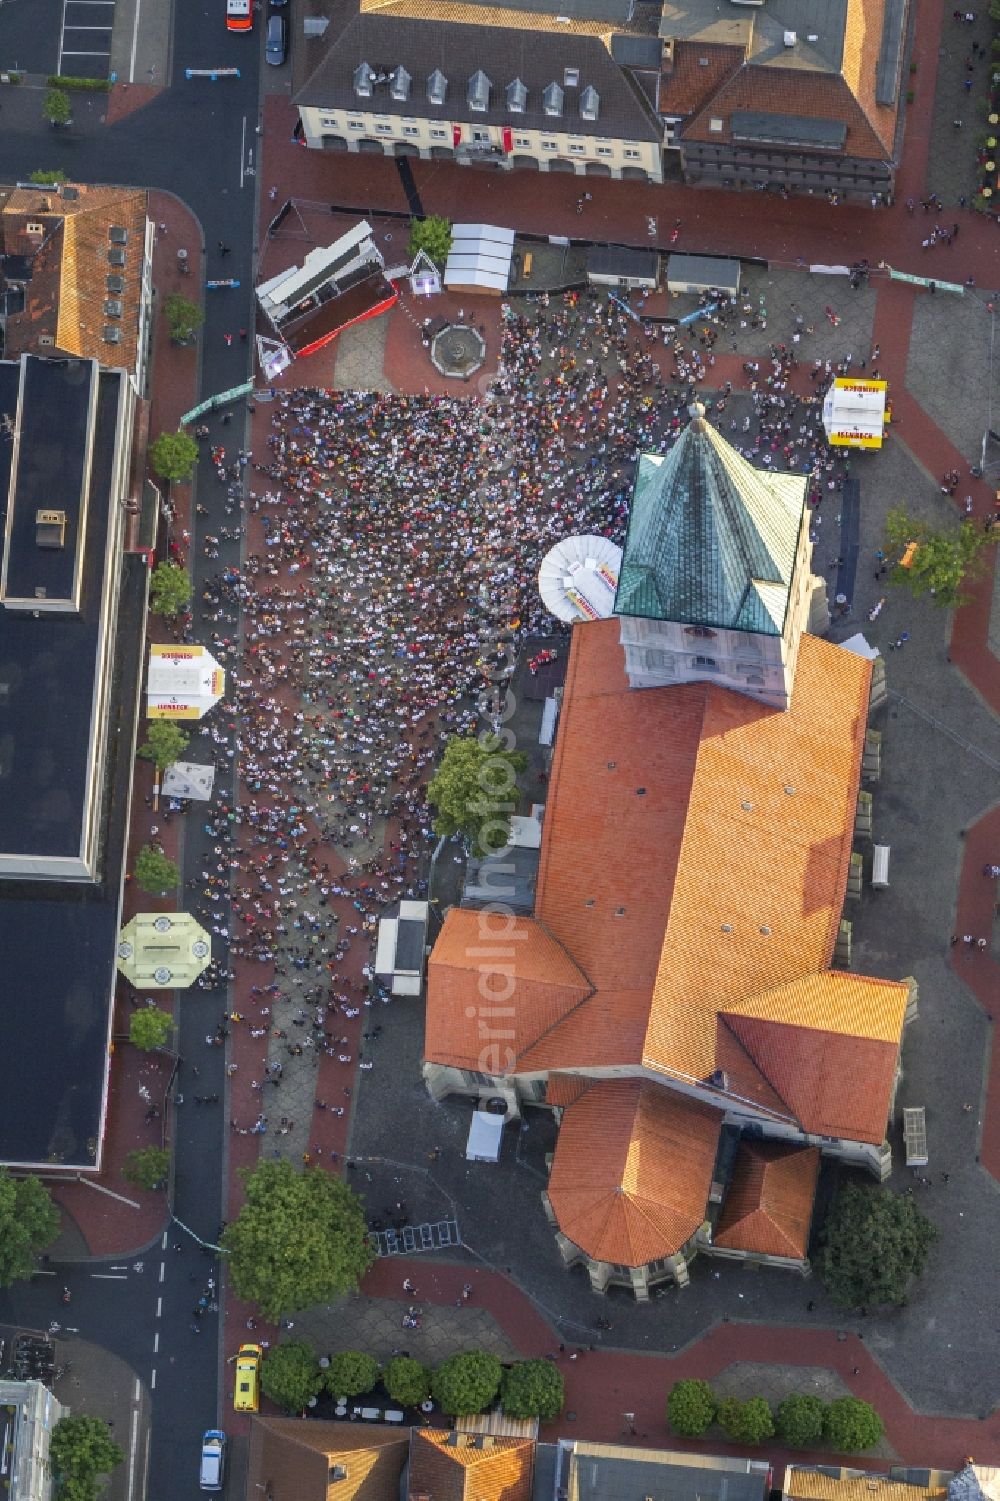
point(62, 33)
point(86, 54)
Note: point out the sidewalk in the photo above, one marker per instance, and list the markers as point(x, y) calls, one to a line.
point(115, 1218)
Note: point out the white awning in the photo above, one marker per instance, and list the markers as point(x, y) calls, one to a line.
point(480, 257)
point(485, 1134)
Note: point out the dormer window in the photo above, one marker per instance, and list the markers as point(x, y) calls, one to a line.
point(517, 97)
point(571, 78)
point(34, 228)
point(437, 87)
point(552, 99)
point(363, 79)
point(701, 632)
point(479, 92)
point(590, 103)
point(400, 86)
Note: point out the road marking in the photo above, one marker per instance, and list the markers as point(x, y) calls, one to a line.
point(110, 1276)
point(159, 1307)
point(86, 54)
point(62, 30)
point(163, 1270)
point(243, 148)
point(119, 1267)
point(163, 1241)
point(156, 1343)
point(131, 79)
point(152, 1380)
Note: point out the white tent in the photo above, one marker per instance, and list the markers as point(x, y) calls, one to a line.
point(188, 779)
point(485, 1135)
point(184, 682)
point(854, 413)
point(479, 259)
point(861, 647)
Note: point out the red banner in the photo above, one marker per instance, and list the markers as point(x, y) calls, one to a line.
point(508, 139)
point(456, 135)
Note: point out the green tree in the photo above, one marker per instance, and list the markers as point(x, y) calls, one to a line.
point(48, 179)
point(474, 791)
point(169, 589)
point(165, 743)
point(467, 1383)
point(532, 1389)
point(407, 1381)
point(943, 559)
point(300, 1238)
point(431, 235)
point(748, 1422)
point(80, 1451)
point(874, 1243)
point(56, 107)
point(147, 1167)
point(184, 318)
point(150, 1028)
point(291, 1375)
point(29, 1221)
point(154, 872)
point(351, 1373)
point(173, 456)
point(799, 1421)
point(850, 1424)
point(691, 1408)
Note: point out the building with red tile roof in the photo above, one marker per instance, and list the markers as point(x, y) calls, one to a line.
point(454, 1465)
point(674, 988)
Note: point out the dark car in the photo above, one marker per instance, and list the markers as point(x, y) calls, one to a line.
point(277, 41)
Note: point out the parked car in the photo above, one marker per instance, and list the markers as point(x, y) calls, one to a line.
point(213, 1460)
point(277, 40)
point(246, 1396)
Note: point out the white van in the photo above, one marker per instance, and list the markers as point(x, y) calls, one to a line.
point(213, 1460)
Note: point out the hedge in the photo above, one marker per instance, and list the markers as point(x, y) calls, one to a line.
point(61, 81)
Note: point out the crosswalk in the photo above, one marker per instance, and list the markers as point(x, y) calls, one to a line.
point(433, 1236)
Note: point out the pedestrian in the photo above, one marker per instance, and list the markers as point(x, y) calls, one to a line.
point(223, 248)
point(243, 335)
point(228, 338)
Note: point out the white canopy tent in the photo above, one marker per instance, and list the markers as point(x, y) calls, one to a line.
point(188, 779)
point(854, 413)
point(184, 682)
point(479, 259)
point(485, 1136)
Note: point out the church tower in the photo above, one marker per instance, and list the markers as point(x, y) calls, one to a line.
point(715, 581)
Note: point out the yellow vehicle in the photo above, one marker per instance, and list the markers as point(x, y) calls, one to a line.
point(246, 1397)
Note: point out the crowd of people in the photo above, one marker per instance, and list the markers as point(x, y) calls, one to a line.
point(382, 530)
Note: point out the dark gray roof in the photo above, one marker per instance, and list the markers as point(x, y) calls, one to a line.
point(608, 1473)
point(788, 130)
point(621, 260)
point(890, 54)
point(537, 58)
point(637, 51)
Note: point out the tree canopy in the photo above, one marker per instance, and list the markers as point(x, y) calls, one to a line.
point(80, 1451)
point(29, 1221)
point(474, 791)
point(466, 1383)
point(154, 872)
point(431, 235)
point(174, 455)
point(165, 743)
point(50, 178)
point(943, 559)
point(874, 1243)
point(147, 1167)
point(56, 107)
point(749, 1422)
point(532, 1389)
point(407, 1381)
point(850, 1424)
point(800, 1421)
point(299, 1239)
point(291, 1375)
point(691, 1408)
point(169, 589)
point(351, 1373)
point(150, 1028)
point(183, 316)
